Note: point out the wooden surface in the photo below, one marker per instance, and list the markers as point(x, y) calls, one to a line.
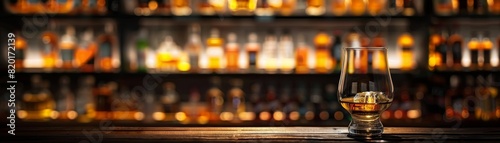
point(244, 134)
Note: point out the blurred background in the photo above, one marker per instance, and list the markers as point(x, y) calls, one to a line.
point(247, 62)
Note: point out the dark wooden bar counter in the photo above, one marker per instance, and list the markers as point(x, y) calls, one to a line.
point(246, 134)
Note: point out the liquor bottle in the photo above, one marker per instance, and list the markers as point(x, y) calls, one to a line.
point(323, 59)
point(252, 50)
point(357, 7)
point(477, 6)
point(205, 8)
point(103, 101)
point(100, 7)
point(264, 8)
point(455, 44)
point(339, 7)
point(67, 48)
point(378, 41)
point(128, 106)
point(463, 7)
point(66, 100)
point(242, 7)
point(164, 7)
point(24, 6)
point(168, 55)
point(336, 50)
point(405, 42)
point(315, 7)
point(316, 100)
point(409, 8)
point(85, 106)
point(181, 7)
point(193, 47)
point(37, 103)
point(269, 53)
point(232, 53)
point(85, 53)
point(285, 54)
point(272, 104)
point(21, 48)
point(215, 51)
point(218, 5)
point(376, 7)
point(474, 49)
point(443, 50)
point(301, 99)
point(142, 8)
point(445, 7)
point(485, 50)
point(395, 7)
point(169, 101)
point(302, 56)
point(494, 7)
point(255, 99)
point(83, 6)
point(58, 6)
point(106, 53)
point(237, 99)
point(215, 99)
point(142, 47)
point(50, 47)
point(438, 50)
point(288, 7)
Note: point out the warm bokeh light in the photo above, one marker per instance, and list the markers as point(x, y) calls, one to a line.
point(226, 116)
point(278, 116)
point(465, 114)
point(338, 115)
point(180, 116)
point(294, 116)
point(202, 120)
point(21, 114)
point(323, 115)
point(413, 114)
point(246, 116)
point(54, 115)
point(158, 116)
point(398, 114)
point(138, 116)
point(386, 114)
point(309, 115)
point(264, 116)
point(72, 115)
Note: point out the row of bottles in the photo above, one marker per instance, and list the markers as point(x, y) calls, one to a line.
point(449, 51)
point(57, 6)
point(110, 101)
point(466, 7)
point(272, 7)
point(71, 51)
point(281, 53)
point(469, 97)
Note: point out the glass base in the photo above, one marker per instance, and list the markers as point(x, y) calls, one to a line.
point(366, 128)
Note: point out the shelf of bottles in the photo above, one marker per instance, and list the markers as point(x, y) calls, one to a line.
point(464, 46)
point(158, 70)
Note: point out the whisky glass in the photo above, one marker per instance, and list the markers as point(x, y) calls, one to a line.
point(365, 88)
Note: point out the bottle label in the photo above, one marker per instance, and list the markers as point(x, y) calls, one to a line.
point(105, 50)
point(457, 52)
point(67, 54)
point(141, 58)
point(252, 58)
point(215, 52)
point(337, 51)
